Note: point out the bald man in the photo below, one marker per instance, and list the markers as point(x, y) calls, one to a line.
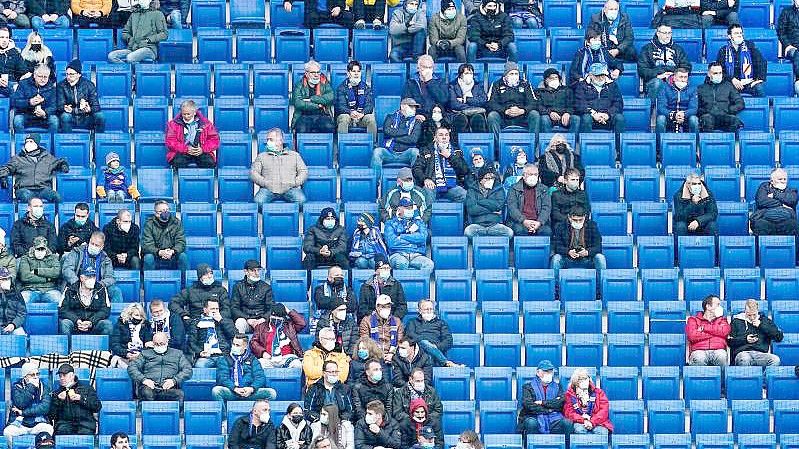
point(159, 372)
point(775, 204)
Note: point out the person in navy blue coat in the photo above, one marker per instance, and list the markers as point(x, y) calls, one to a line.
point(677, 103)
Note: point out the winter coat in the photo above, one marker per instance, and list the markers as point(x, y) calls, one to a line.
point(176, 129)
point(291, 327)
point(8, 261)
point(34, 173)
point(483, 29)
point(686, 211)
point(529, 407)
point(362, 90)
point(12, 309)
point(26, 229)
point(718, 99)
point(721, 7)
point(225, 330)
point(346, 332)
point(440, 28)
point(579, 69)
point(244, 436)
point(11, 64)
point(389, 436)
point(145, 29)
point(478, 99)
point(284, 434)
point(73, 261)
point(561, 238)
point(425, 166)
point(313, 363)
point(410, 432)
point(119, 242)
point(325, 296)
point(560, 100)
point(401, 402)
point(365, 391)
point(624, 33)
point(121, 337)
point(79, 6)
point(158, 235)
point(741, 328)
point(600, 415)
point(485, 208)
point(172, 364)
point(27, 89)
point(40, 275)
point(502, 97)
point(32, 401)
point(312, 100)
point(759, 63)
point(608, 100)
point(429, 94)
point(383, 331)
point(391, 287)
point(787, 27)
point(770, 216)
point(71, 95)
point(318, 236)
point(252, 373)
point(401, 133)
point(419, 197)
point(80, 412)
point(401, 367)
point(279, 172)
point(671, 99)
point(251, 300)
point(315, 400)
point(562, 202)
point(73, 310)
point(400, 239)
point(543, 204)
point(402, 25)
point(656, 59)
point(435, 331)
point(712, 336)
point(183, 6)
point(69, 229)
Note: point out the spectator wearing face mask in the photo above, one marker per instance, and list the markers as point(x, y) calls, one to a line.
point(278, 172)
point(161, 320)
point(432, 333)
point(417, 386)
point(426, 87)
point(568, 196)
point(12, 307)
point(587, 406)
point(512, 102)
point(577, 243)
point(163, 243)
point(252, 299)
point(377, 429)
point(556, 104)
point(332, 428)
point(355, 101)
point(210, 336)
point(485, 207)
point(35, 101)
point(529, 205)
point(402, 132)
point(294, 432)
point(85, 308)
point(30, 404)
point(39, 273)
point(77, 230)
point(122, 241)
point(78, 105)
point(616, 30)
point(382, 282)
point(441, 168)
point(513, 172)
point(275, 341)
point(408, 31)
point(719, 102)
point(468, 439)
point(447, 32)
point(775, 206)
point(490, 33)
point(370, 386)
point(329, 390)
point(367, 242)
point(593, 52)
point(787, 33)
point(325, 243)
point(695, 211)
point(406, 239)
point(74, 404)
point(132, 333)
point(468, 101)
point(325, 349)
point(556, 160)
point(33, 170)
point(191, 139)
point(343, 324)
point(190, 302)
point(254, 430)
point(384, 328)
point(158, 373)
point(325, 295)
point(144, 30)
point(439, 118)
point(91, 254)
point(598, 101)
point(707, 333)
point(421, 432)
point(239, 375)
point(744, 65)
point(7, 260)
point(31, 225)
point(542, 403)
point(478, 162)
point(312, 99)
point(677, 105)
point(410, 357)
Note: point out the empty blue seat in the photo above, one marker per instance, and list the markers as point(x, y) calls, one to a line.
point(756, 115)
point(785, 417)
point(736, 252)
point(776, 251)
point(195, 80)
point(740, 284)
point(160, 418)
point(241, 219)
point(667, 417)
point(41, 319)
point(246, 14)
point(610, 217)
point(702, 382)
point(465, 349)
point(270, 80)
point(202, 417)
point(389, 79)
point(153, 80)
point(289, 285)
point(743, 382)
point(754, 175)
point(642, 183)
point(115, 110)
point(271, 112)
point(620, 383)
point(781, 283)
point(490, 252)
point(416, 284)
point(577, 284)
point(583, 317)
point(786, 315)
point(666, 317)
point(118, 416)
point(49, 344)
point(637, 113)
point(789, 143)
point(149, 114)
point(460, 315)
point(724, 182)
point(453, 383)
point(757, 148)
point(602, 183)
point(619, 284)
point(316, 149)
point(76, 185)
point(696, 251)
point(541, 317)
point(234, 185)
point(788, 350)
point(370, 45)
point(546, 441)
point(89, 342)
point(618, 251)
point(196, 185)
point(208, 14)
point(114, 384)
point(447, 219)
point(733, 218)
point(281, 219)
point(214, 46)
point(538, 347)
point(588, 441)
point(666, 349)
point(283, 253)
point(501, 415)
point(458, 415)
point(322, 181)
point(536, 285)
point(584, 349)
point(638, 149)
point(597, 149)
point(493, 383)
point(767, 441)
point(358, 184)
point(161, 284)
point(233, 114)
point(678, 150)
point(500, 317)
point(649, 219)
point(750, 416)
point(453, 285)
point(331, 44)
point(785, 113)
point(94, 44)
point(530, 252)
point(149, 149)
point(205, 441)
point(292, 45)
point(502, 349)
point(162, 442)
point(625, 317)
point(655, 252)
point(238, 250)
point(72, 147)
point(625, 350)
point(780, 384)
point(564, 42)
point(203, 250)
point(532, 44)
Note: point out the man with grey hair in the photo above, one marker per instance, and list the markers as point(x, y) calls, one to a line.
point(312, 98)
point(278, 172)
point(35, 102)
point(529, 204)
point(191, 139)
point(122, 241)
point(775, 204)
point(751, 335)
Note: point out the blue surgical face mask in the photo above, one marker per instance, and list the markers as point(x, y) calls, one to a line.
point(407, 186)
point(595, 45)
point(329, 223)
point(363, 354)
point(716, 79)
point(80, 221)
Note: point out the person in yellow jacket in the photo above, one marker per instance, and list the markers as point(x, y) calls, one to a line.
point(88, 12)
point(323, 349)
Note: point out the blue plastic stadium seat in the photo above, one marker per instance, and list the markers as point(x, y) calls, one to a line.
point(118, 416)
point(638, 148)
point(788, 350)
point(89, 342)
point(776, 251)
point(75, 186)
point(618, 251)
point(232, 114)
point(389, 79)
point(785, 113)
point(702, 382)
point(105, 143)
point(642, 183)
point(538, 347)
point(724, 182)
point(785, 417)
point(666, 349)
point(316, 149)
point(280, 219)
point(629, 83)
point(246, 14)
point(620, 383)
point(202, 417)
point(113, 384)
point(205, 441)
point(602, 183)
point(234, 185)
point(49, 344)
point(415, 282)
point(149, 150)
point(238, 250)
point(196, 185)
point(597, 149)
point(153, 80)
point(447, 219)
point(94, 44)
point(546, 441)
point(667, 417)
point(270, 80)
point(624, 317)
point(493, 383)
point(370, 45)
point(541, 317)
point(41, 319)
point(289, 285)
point(160, 418)
point(532, 44)
point(149, 114)
point(584, 349)
point(502, 349)
point(717, 149)
point(195, 79)
point(714, 441)
point(701, 282)
point(789, 144)
point(678, 150)
point(619, 284)
point(60, 42)
point(450, 252)
point(161, 284)
point(736, 252)
point(355, 149)
point(452, 384)
point(503, 441)
point(754, 175)
point(786, 315)
point(458, 415)
point(696, 251)
point(626, 350)
point(500, 317)
point(501, 415)
point(162, 442)
point(460, 315)
point(215, 46)
point(453, 285)
point(283, 253)
point(655, 251)
point(509, 140)
point(650, 220)
point(733, 218)
point(235, 145)
point(115, 110)
point(537, 285)
point(637, 114)
point(627, 415)
point(237, 409)
point(577, 284)
point(564, 42)
point(750, 416)
point(358, 184)
point(72, 147)
point(279, 18)
point(588, 441)
point(666, 317)
point(744, 382)
point(583, 317)
point(465, 349)
point(177, 47)
point(321, 184)
point(271, 112)
point(756, 115)
point(780, 384)
point(203, 250)
point(610, 217)
point(491, 252)
point(331, 44)
point(207, 14)
point(530, 252)
point(292, 45)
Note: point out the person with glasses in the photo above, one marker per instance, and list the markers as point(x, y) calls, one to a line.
point(384, 328)
point(329, 390)
point(325, 349)
point(313, 101)
point(658, 59)
point(30, 404)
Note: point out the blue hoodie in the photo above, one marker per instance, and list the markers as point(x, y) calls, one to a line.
point(400, 239)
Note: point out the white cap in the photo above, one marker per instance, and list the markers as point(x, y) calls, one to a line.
point(29, 368)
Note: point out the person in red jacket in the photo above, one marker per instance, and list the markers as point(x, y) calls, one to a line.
point(191, 139)
point(586, 405)
point(707, 333)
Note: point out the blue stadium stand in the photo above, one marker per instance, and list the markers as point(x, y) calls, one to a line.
point(532, 44)
point(626, 350)
point(453, 285)
point(77, 185)
point(541, 317)
point(149, 114)
point(537, 285)
point(743, 382)
point(530, 252)
point(779, 383)
point(205, 441)
point(610, 217)
point(701, 282)
point(289, 285)
point(196, 185)
point(666, 417)
point(41, 319)
point(161, 284)
point(283, 253)
point(280, 219)
point(500, 317)
point(247, 14)
point(666, 349)
point(450, 252)
point(785, 415)
point(214, 46)
point(733, 218)
point(602, 183)
point(627, 416)
point(786, 315)
point(502, 350)
point(620, 383)
point(755, 441)
point(447, 219)
point(238, 250)
point(160, 418)
point(358, 184)
point(203, 249)
point(540, 347)
point(153, 80)
point(737, 252)
point(89, 343)
point(72, 147)
point(597, 149)
point(117, 416)
point(625, 317)
point(621, 441)
point(202, 417)
point(618, 251)
point(655, 252)
point(465, 349)
point(490, 253)
point(458, 415)
point(503, 441)
point(162, 442)
point(389, 79)
point(113, 384)
point(270, 80)
point(741, 284)
point(696, 251)
point(48, 344)
point(271, 112)
point(650, 221)
point(460, 315)
point(452, 384)
point(584, 349)
point(637, 113)
point(577, 284)
point(501, 415)
point(754, 175)
point(642, 184)
point(493, 383)
point(702, 383)
point(619, 284)
point(331, 45)
point(714, 441)
point(105, 143)
point(750, 416)
point(416, 284)
point(115, 110)
point(195, 79)
point(234, 185)
point(546, 441)
point(208, 14)
point(355, 149)
point(236, 146)
point(583, 317)
point(724, 183)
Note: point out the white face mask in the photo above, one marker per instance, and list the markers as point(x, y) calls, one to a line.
point(329, 345)
point(512, 80)
point(696, 189)
point(31, 146)
point(40, 254)
point(547, 378)
point(370, 419)
point(479, 164)
point(340, 315)
point(264, 417)
point(780, 185)
point(332, 379)
point(323, 419)
point(124, 227)
point(35, 381)
point(237, 350)
point(418, 386)
point(612, 15)
point(583, 385)
point(572, 185)
point(384, 313)
point(531, 180)
point(355, 79)
point(37, 212)
point(737, 40)
point(160, 349)
point(467, 78)
point(89, 283)
point(719, 311)
point(436, 116)
point(403, 352)
point(254, 278)
point(145, 3)
point(488, 184)
point(577, 225)
point(5, 284)
point(681, 84)
point(553, 84)
point(207, 281)
point(428, 316)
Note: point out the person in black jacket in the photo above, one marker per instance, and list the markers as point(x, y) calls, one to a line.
point(719, 102)
point(431, 332)
point(30, 404)
point(567, 196)
point(318, 392)
point(695, 211)
point(254, 431)
point(11, 65)
point(467, 101)
point(658, 59)
point(598, 101)
point(616, 31)
point(719, 12)
point(343, 324)
point(420, 428)
point(377, 429)
point(12, 307)
point(512, 102)
point(426, 87)
point(541, 405)
point(402, 131)
point(78, 105)
point(294, 432)
point(441, 168)
point(556, 160)
point(382, 283)
point(370, 386)
point(485, 207)
point(490, 33)
point(523, 217)
point(577, 244)
point(556, 104)
point(775, 206)
point(334, 289)
point(35, 102)
point(592, 52)
point(751, 335)
point(75, 316)
point(74, 404)
point(409, 358)
point(132, 333)
point(744, 65)
point(355, 101)
point(122, 241)
point(325, 243)
point(787, 33)
point(252, 299)
point(418, 386)
point(438, 118)
point(191, 301)
point(210, 336)
point(77, 230)
point(330, 12)
point(176, 12)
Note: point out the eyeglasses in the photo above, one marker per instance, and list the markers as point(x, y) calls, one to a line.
point(316, 72)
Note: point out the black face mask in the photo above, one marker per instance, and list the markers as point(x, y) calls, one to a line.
point(36, 47)
point(136, 321)
point(560, 148)
point(338, 282)
point(296, 419)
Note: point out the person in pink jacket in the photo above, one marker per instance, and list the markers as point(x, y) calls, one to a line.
point(586, 405)
point(191, 139)
point(707, 333)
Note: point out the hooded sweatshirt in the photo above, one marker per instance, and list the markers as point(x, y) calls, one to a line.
point(318, 236)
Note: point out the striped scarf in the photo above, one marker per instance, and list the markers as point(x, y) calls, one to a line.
point(375, 329)
point(745, 58)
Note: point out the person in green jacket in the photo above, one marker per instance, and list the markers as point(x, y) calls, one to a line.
point(145, 28)
point(163, 243)
point(39, 273)
point(313, 101)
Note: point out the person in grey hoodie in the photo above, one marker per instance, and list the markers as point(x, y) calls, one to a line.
point(408, 30)
point(145, 28)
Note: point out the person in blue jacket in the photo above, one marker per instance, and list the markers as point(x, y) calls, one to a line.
point(30, 404)
point(406, 238)
point(239, 375)
point(35, 102)
point(593, 52)
point(677, 103)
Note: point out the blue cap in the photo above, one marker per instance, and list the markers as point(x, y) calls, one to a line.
point(598, 68)
point(545, 365)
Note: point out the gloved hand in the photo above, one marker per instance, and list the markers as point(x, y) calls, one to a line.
point(444, 45)
point(133, 191)
point(62, 165)
point(100, 191)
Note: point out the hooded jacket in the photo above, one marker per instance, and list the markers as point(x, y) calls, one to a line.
point(244, 436)
point(435, 331)
point(425, 166)
point(656, 58)
point(34, 173)
point(40, 275)
point(403, 25)
point(176, 131)
point(145, 29)
point(624, 33)
point(741, 328)
point(373, 287)
point(712, 336)
point(119, 242)
point(313, 364)
point(719, 99)
point(672, 99)
point(400, 238)
point(84, 89)
point(76, 412)
point(72, 308)
point(312, 100)
point(686, 211)
point(252, 374)
point(225, 330)
point(291, 327)
point(12, 308)
point(73, 261)
point(26, 229)
point(389, 436)
point(346, 332)
point(543, 205)
point(303, 429)
point(600, 413)
point(71, 228)
point(483, 29)
point(27, 89)
point(318, 236)
point(410, 429)
point(251, 300)
point(34, 402)
point(401, 402)
point(402, 367)
point(172, 364)
point(279, 172)
point(429, 94)
point(439, 28)
point(191, 300)
point(315, 400)
point(608, 100)
point(121, 338)
point(365, 391)
point(158, 235)
point(485, 207)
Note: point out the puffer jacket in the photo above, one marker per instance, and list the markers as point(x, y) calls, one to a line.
point(429, 94)
point(251, 300)
point(145, 29)
point(26, 229)
point(346, 332)
point(73, 261)
point(401, 402)
point(225, 330)
point(671, 99)
point(562, 202)
point(40, 275)
point(119, 242)
point(435, 331)
point(159, 367)
point(402, 26)
point(608, 100)
point(560, 100)
point(401, 367)
point(712, 336)
point(34, 402)
point(307, 99)
point(120, 336)
point(656, 58)
point(389, 437)
point(365, 391)
point(600, 414)
point(158, 235)
point(12, 308)
point(400, 238)
point(314, 359)
point(71, 95)
point(485, 207)
point(176, 141)
point(439, 28)
point(34, 173)
point(425, 166)
point(373, 287)
point(252, 374)
point(624, 33)
point(686, 211)
point(279, 172)
point(483, 29)
point(543, 203)
point(766, 333)
point(27, 89)
point(291, 327)
point(69, 229)
point(191, 300)
point(72, 308)
point(318, 236)
point(104, 6)
point(11, 64)
point(787, 27)
point(325, 296)
point(719, 99)
point(80, 413)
